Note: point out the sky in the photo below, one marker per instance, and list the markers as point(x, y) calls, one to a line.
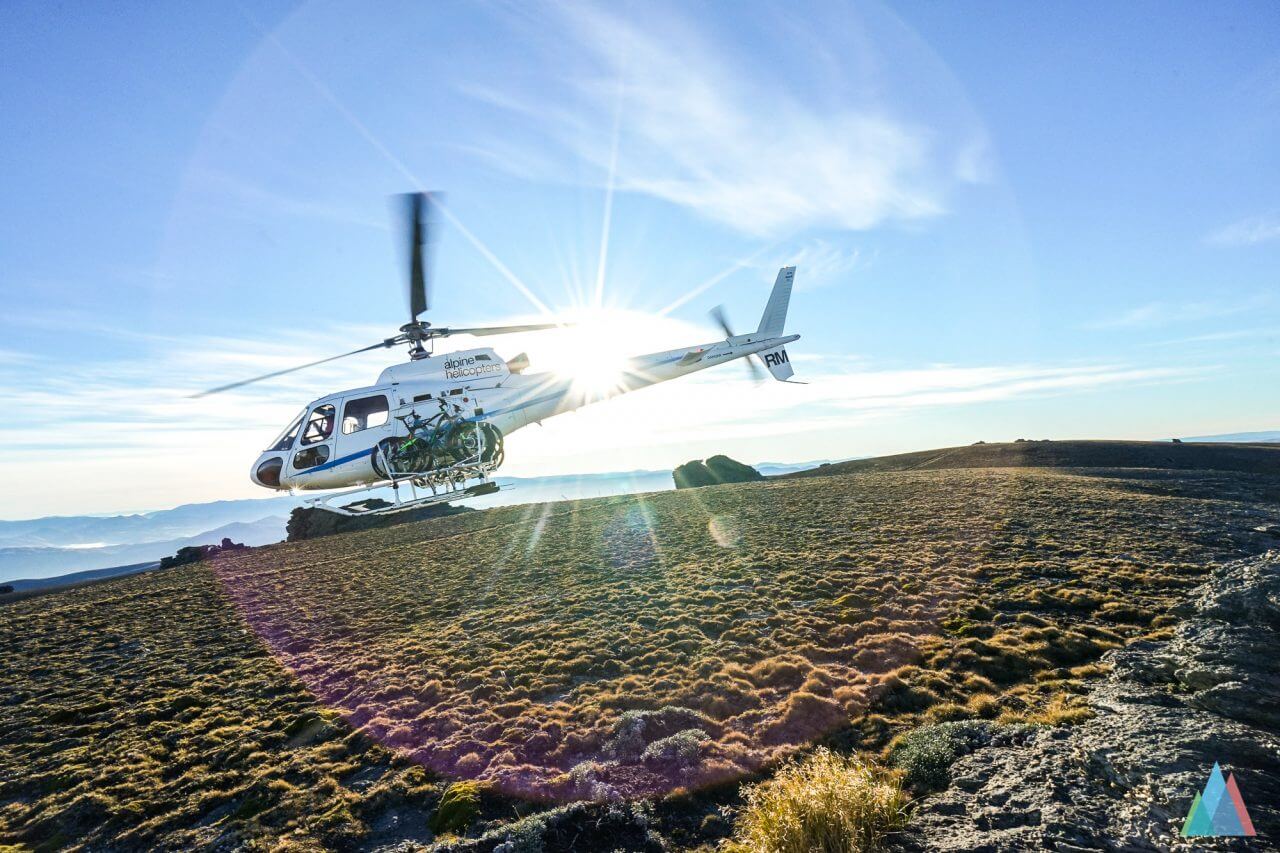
point(1009, 220)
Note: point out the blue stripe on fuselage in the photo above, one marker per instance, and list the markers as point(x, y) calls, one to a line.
point(342, 460)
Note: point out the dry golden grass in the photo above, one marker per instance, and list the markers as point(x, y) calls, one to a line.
point(826, 803)
point(328, 692)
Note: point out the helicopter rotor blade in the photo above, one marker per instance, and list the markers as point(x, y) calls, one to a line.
point(418, 220)
point(387, 343)
point(498, 330)
point(722, 320)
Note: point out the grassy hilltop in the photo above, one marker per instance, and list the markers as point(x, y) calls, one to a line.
point(326, 693)
point(1263, 458)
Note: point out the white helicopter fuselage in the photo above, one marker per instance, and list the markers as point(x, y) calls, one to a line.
point(331, 445)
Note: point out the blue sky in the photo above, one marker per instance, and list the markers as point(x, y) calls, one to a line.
point(1009, 220)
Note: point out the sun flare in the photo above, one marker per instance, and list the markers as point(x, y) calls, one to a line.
point(596, 350)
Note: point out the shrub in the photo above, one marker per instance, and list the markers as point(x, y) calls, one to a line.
point(681, 750)
point(827, 802)
point(459, 806)
point(926, 754)
point(635, 730)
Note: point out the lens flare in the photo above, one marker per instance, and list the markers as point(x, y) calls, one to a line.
point(595, 352)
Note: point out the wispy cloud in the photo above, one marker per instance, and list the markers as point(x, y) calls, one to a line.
point(709, 407)
point(818, 263)
point(715, 133)
point(130, 436)
point(1154, 314)
point(130, 404)
point(1220, 337)
point(233, 196)
point(1247, 232)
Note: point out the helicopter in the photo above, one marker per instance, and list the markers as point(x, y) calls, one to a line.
point(437, 423)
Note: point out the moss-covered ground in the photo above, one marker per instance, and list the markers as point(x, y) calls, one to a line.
point(327, 693)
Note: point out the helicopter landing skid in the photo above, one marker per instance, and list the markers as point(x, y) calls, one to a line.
point(440, 493)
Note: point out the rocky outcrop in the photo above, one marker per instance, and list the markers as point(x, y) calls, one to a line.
point(1126, 779)
point(715, 470)
point(309, 523)
point(196, 553)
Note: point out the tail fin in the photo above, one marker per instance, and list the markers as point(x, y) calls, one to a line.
point(775, 313)
point(779, 363)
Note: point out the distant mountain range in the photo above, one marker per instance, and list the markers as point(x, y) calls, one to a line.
point(30, 563)
point(85, 531)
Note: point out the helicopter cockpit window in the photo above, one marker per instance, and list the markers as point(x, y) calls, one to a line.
point(319, 425)
point(310, 457)
point(364, 413)
point(285, 441)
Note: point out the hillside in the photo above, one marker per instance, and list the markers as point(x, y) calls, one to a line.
point(1248, 458)
point(327, 692)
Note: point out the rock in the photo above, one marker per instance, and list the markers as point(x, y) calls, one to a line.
point(309, 523)
point(196, 553)
point(717, 469)
point(691, 475)
point(1125, 779)
point(727, 470)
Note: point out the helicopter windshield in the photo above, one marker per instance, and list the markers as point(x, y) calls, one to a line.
point(285, 441)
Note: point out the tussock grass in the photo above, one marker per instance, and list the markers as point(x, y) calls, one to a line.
point(327, 692)
point(825, 803)
point(1062, 709)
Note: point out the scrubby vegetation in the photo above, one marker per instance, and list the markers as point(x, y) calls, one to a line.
point(826, 803)
point(925, 755)
point(328, 692)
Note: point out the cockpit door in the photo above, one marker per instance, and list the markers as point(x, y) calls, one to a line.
point(366, 420)
point(314, 446)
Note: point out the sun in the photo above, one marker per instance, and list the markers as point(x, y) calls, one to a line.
point(595, 352)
